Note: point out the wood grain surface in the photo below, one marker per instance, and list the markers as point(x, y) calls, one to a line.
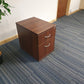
point(36, 37)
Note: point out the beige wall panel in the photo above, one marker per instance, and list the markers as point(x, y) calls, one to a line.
point(82, 4)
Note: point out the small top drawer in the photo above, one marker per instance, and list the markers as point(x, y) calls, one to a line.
point(46, 35)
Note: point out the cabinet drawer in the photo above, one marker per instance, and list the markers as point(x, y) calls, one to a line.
point(46, 35)
point(46, 48)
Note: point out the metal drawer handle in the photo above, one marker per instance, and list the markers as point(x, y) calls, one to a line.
point(47, 45)
point(48, 36)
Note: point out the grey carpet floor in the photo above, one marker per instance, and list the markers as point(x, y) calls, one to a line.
point(65, 65)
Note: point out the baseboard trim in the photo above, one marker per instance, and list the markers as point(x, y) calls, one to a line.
point(8, 39)
point(52, 21)
point(16, 36)
point(73, 12)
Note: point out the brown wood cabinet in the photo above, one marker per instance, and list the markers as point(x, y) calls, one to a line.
point(36, 37)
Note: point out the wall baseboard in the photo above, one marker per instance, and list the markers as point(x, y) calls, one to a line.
point(8, 39)
point(52, 21)
point(16, 36)
point(73, 12)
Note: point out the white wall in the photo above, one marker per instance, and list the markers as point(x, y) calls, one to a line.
point(22, 9)
point(75, 5)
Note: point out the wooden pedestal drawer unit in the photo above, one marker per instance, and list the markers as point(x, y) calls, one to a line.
point(36, 37)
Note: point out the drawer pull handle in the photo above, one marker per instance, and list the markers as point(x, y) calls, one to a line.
point(47, 45)
point(48, 36)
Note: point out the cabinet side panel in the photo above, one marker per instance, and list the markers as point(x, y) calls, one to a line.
point(25, 39)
